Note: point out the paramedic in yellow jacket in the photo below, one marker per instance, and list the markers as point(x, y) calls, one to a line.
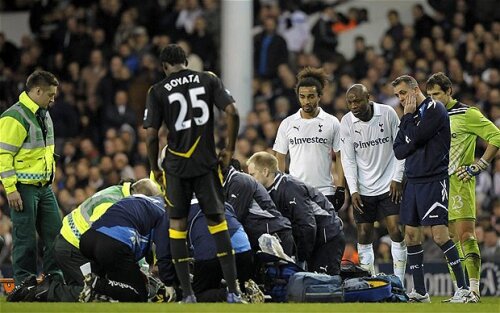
point(27, 169)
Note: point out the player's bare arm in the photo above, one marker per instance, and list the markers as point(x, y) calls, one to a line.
point(233, 124)
point(152, 142)
point(281, 161)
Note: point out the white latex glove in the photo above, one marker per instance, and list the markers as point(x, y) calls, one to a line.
point(170, 294)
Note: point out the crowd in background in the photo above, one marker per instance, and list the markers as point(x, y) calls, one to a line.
point(105, 54)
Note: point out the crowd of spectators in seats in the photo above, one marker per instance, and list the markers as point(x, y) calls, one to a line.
point(105, 54)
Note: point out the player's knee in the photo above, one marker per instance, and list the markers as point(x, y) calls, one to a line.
point(440, 239)
point(467, 235)
point(395, 233)
point(364, 234)
point(412, 239)
point(179, 224)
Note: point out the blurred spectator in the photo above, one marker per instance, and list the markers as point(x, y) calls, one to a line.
point(120, 113)
point(490, 251)
point(396, 27)
point(195, 63)
point(293, 26)
point(325, 39)
point(421, 21)
point(270, 50)
point(9, 53)
point(203, 45)
point(186, 20)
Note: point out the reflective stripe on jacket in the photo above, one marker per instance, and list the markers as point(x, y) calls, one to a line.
point(80, 219)
point(25, 155)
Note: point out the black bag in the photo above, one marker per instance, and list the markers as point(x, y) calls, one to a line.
point(351, 270)
point(276, 272)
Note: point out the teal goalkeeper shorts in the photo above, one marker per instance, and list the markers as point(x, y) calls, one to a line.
point(462, 204)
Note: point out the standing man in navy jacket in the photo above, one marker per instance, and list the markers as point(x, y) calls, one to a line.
point(423, 140)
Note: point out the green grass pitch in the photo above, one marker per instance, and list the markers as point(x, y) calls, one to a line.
point(488, 304)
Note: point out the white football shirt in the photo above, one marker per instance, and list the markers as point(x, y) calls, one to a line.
point(367, 154)
point(310, 143)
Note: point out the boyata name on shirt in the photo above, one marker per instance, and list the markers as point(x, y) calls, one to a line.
point(181, 81)
point(299, 140)
point(370, 143)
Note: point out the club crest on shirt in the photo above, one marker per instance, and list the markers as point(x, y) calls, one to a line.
point(320, 126)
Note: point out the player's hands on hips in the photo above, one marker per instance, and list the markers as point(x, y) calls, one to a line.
point(466, 173)
point(225, 158)
point(357, 203)
point(396, 191)
point(15, 201)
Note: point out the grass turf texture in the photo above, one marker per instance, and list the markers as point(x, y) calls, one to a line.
point(488, 304)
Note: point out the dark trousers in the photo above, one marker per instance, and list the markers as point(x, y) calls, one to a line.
point(326, 258)
point(69, 259)
point(207, 276)
point(40, 215)
point(114, 262)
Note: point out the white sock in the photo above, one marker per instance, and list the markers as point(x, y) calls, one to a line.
point(474, 285)
point(366, 257)
point(399, 254)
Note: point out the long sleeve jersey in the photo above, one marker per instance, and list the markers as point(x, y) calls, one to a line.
point(313, 217)
point(423, 140)
point(252, 204)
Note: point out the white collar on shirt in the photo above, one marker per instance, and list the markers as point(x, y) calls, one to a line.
point(321, 115)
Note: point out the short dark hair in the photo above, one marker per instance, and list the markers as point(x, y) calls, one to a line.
point(173, 54)
point(41, 79)
point(315, 77)
point(407, 79)
point(439, 79)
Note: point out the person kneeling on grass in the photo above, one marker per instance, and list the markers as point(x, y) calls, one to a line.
point(116, 241)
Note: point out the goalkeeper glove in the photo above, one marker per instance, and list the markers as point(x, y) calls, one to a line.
point(466, 173)
point(338, 198)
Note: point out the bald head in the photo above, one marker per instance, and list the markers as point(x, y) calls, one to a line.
point(146, 187)
point(359, 90)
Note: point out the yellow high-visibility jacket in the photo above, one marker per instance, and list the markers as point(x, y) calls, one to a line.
point(76, 223)
point(25, 155)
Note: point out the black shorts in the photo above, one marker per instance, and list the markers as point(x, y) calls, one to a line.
point(425, 204)
point(376, 208)
point(207, 188)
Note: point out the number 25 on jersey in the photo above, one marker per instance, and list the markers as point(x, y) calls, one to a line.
point(183, 123)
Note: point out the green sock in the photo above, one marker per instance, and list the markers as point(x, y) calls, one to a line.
point(472, 262)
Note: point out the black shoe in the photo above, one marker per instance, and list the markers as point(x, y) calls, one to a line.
point(21, 292)
point(42, 289)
